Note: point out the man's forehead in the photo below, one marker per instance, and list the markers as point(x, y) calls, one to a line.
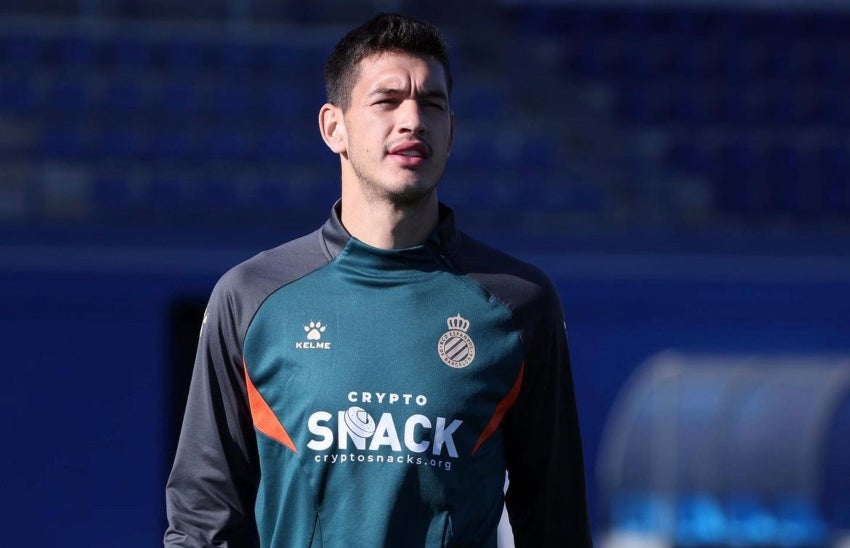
point(385, 67)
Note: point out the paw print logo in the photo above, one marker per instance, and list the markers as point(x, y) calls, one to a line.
point(314, 330)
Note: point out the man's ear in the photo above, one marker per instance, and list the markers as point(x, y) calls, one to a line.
point(332, 128)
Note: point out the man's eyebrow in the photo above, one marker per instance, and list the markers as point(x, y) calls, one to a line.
point(434, 94)
point(425, 94)
point(384, 91)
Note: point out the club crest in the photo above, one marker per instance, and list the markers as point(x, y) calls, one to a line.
point(455, 348)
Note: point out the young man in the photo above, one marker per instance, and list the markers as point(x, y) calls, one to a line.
point(369, 384)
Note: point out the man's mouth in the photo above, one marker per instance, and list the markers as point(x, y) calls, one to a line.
point(410, 149)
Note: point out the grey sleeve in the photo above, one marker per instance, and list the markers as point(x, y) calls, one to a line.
point(546, 498)
point(211, 491)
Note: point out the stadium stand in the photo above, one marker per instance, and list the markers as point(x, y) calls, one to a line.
point(735, 117)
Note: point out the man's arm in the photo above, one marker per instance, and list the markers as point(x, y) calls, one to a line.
point(211, 491)
point(546, 497)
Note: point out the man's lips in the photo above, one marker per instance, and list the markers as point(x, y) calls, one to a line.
point(410, 149)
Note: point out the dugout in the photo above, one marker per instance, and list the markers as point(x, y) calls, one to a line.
point(704, 450)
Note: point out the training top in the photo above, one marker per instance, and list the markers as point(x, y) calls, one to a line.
point(350, 396)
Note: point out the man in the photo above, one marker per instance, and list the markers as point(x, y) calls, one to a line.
point(369, 384)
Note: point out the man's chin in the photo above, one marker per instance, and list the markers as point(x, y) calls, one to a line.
point(412, 196)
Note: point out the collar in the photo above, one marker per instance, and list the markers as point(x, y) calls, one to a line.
point(445, 238)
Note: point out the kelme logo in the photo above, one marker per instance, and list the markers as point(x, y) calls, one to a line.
point(455, 348)
point(314, 332)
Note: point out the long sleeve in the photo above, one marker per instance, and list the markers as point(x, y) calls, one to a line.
point(546, 498)
point(213, 483)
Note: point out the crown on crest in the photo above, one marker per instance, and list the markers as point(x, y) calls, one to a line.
point(458, 323)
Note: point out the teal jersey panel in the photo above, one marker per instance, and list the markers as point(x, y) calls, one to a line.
point(389, 373)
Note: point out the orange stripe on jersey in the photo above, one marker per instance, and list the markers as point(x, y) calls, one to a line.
point(501, 409)
point(264, 418)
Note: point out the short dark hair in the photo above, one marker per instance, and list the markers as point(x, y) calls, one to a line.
point(384, 32)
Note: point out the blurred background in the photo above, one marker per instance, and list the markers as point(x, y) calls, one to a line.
point(679, 168)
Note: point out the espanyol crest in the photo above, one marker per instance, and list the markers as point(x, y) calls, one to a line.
point(455, 348)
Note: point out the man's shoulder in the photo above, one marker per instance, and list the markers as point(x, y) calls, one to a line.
point(273, 268)
point(524, 288)
point(477, 257)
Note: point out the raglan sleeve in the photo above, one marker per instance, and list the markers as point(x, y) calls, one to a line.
point(212, 487)
point(546, 499)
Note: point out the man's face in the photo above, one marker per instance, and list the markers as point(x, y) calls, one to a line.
point(398, 127)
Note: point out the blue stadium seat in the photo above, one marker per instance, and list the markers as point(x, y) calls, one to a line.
point(651, 104)
point(111, 196)
point(693, 103)
point(215, 195)
point(175, 144)
point(18, 96)
point(65, 143)
point(282, 104)
point(227, 145)
point(791, 191)
point(278, 61)
point(270, 196)
point(833, 168)
point(124, 144)
point(72, 53)
point(169, 195)
point(689, 157)
point(740, 181)
point(236, 61)
point(185, 57)
point(128, 53)
point(22, 52)
point(480, 103)
point(68, 98)
point(178, 101)
point(125, 98)
point(235, 101)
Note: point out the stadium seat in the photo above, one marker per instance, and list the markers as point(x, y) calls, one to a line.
point(235, 101)
point(122, 144)
point(130, 53)
point(125, 98)
point(22, 52)
point(111, 196)
point(65, 144)
point(18, 96)
point(175, 144)
point(227, 145)
point(178, 102)
point(69, 98)
point(833, 168)
point(73, 53)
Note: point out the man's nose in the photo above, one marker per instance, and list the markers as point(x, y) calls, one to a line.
point(411, 119)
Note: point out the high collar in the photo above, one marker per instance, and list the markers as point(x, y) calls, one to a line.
point(444, 239)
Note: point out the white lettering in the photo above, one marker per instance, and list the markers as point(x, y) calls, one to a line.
point(393, 398)
point(421, 400)
point(325, 434)
point(409, 433)
point(380, 396)
point(443, 435)
point(352, 397)
point(343, 433)
point(385, 434)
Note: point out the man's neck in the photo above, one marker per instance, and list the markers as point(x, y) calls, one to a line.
point(385, 225)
